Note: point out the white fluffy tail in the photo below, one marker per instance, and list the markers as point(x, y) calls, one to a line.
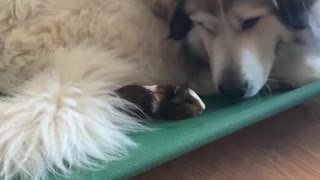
point(65, 117)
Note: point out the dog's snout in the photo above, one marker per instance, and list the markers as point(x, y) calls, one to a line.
point(233, 89)
point(232, 85)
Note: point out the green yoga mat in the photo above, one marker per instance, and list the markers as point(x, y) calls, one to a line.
point(172, 139)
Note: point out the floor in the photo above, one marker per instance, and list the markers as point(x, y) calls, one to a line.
point(283, 147)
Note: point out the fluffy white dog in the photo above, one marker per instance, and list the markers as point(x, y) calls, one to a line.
point(60, 63)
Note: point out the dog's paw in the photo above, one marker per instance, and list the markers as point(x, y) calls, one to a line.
point(163, 101)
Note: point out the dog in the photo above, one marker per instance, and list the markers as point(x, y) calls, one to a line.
point(70, 70)
point(67, 68)
point(248, 43)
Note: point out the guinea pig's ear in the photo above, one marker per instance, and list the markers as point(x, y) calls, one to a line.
point(179, 95)
point(184, 86)
point(180, 23)
point(293, 13)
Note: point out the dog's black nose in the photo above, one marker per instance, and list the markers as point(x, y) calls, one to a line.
point(233, 89)
point(232, 83)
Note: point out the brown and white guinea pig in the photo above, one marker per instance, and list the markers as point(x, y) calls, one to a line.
point(162, 101)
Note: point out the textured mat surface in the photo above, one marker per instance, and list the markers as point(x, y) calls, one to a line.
point(172, 139)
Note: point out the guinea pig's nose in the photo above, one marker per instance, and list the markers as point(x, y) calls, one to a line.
point(234, 89)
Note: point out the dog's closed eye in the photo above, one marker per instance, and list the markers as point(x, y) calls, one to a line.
point(249, 23)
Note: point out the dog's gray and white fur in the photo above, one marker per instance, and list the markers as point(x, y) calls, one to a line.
point(61, 62)
point(246, 45)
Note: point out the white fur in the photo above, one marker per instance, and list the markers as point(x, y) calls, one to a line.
point(156, 100)
point(60, 62)
point(252, 68)
point(195, 95)
point(63, 116)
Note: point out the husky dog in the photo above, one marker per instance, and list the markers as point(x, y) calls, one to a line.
point(248, 42)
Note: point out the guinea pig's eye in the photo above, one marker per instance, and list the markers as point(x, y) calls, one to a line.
point(190, 101)
point(248, 24)
point(179, 96)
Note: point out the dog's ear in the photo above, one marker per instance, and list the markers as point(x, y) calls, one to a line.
point(173, 12)
point(293, 13)
point(163, 8)
point(180, 22)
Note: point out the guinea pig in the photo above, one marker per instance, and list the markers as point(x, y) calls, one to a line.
point(162, 101)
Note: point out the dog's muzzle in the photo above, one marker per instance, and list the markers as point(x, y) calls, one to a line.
point(232, 84)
